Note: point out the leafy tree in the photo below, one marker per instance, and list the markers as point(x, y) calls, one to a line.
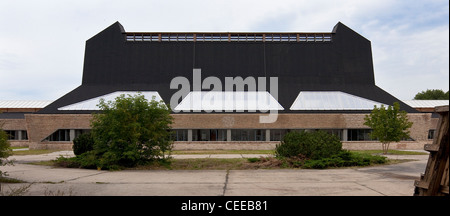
point(130, 131)
point(432, 94)
point(5, 151)
point(388, 125)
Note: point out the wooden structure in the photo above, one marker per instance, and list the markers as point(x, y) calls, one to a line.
point(435, 180)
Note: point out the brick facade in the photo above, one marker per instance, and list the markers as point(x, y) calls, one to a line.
point(40, 126)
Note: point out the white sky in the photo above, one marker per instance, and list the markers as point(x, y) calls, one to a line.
point(42, 42)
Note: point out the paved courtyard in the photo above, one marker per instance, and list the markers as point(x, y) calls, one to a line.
point(386, 180)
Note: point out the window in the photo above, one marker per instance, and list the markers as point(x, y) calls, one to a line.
point(221, 135)
point(209, 135)
point(408, 139)
point(230, 37)
point(59, 135)
point(11, 134)
point(431, 134)
point(359, 135)
point(17, 134)
point(66, 134)
point(24, 135)
point(277, 134)
point(180, 135)
point(364, 135)
point(337, 132)
point(248, 135)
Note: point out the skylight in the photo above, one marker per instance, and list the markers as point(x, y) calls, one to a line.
point(331, 100)
point(228, 101)
point(91, 104)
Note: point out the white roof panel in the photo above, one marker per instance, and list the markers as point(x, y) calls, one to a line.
point(426, 103)
point(91, 104)
point(24, 103)
point(332, 100)
point(228, 101)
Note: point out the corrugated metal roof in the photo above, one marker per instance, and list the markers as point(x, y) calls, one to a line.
point(425, 103)
point(332, 100)
point(228, 101)
point(92, 103)
point(11, 104)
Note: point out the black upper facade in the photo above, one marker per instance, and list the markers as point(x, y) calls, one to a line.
point(119, 61)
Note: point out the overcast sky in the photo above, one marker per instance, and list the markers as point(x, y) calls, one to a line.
point(42, 42)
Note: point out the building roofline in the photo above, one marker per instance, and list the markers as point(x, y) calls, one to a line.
point(227, 37)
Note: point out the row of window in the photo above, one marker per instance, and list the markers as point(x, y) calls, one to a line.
point(17, 134)
point(66, 134)
point(275, 134)
point(231, 37)
point(215, 134)
point(204, 134)
point(220, 135)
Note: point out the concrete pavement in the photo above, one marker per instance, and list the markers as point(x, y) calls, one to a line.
point(386, 180)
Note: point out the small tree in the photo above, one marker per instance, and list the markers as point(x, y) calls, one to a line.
point(432, 94)
point(5, 151)
point(130, 131)
point(388, 125)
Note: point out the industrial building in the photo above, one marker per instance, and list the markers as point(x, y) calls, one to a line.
point(306, 81)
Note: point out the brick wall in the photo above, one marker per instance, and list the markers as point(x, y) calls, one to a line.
point(374, 145)
point(40, 126)
point(13, 124)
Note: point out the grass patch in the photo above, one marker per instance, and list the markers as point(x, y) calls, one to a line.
point(390, 152)
point(344, 159)
point(196, 164)
point(251, 163)
point(13, 148)
point(10, 180)
point(397, 161)
point(43, 163)
point(188, 152)
point(34, 152)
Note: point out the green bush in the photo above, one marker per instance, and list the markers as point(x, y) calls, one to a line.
point(83, 143)
point(5, 150)
point(345, 158)
point(253, 160)
point(312, 145)
point(127, 132)
point(67, 162)
point(86, 160)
